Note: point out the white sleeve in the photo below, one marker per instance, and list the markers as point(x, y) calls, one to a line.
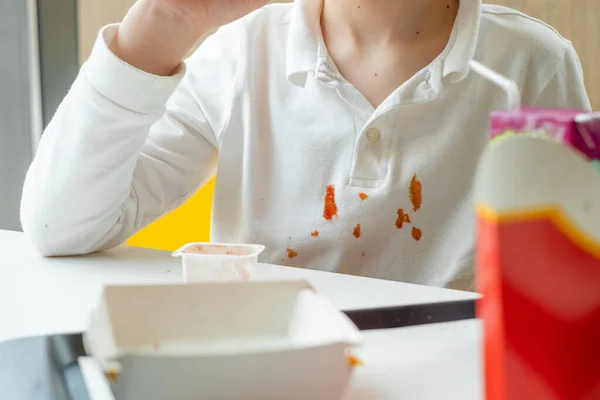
point(126, 147)
point(566, 88)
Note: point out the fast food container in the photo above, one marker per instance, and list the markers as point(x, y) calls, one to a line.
point(236, 340)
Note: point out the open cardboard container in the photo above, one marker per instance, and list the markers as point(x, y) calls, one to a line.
point(237, 340)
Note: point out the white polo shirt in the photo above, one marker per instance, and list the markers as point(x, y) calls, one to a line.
point(262, 102)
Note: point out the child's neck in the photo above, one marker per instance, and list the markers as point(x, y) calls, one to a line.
point(378, 45)
point(370, 22)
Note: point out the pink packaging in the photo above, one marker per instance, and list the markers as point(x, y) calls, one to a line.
point(574, 128)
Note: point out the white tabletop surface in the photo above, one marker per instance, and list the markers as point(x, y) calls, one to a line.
point(44, 296)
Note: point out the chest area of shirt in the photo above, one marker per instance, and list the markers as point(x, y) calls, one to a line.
point(321, 172)
point(317, 133)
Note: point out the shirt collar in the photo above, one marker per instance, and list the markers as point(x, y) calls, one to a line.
point(305, 33)
point(464, 41)
point(303, 40)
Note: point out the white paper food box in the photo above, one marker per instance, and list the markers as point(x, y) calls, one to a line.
point(236, 340)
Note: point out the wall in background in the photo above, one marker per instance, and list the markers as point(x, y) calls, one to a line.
point(58, 52)
point(20, 106)
point(93, 15)
point(15, 120)
point(38, 44)
point(578, 20)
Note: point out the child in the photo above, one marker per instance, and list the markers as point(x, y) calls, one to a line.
point(346, 132)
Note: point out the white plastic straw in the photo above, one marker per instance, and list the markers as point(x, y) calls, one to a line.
point(509, 86)
point(582, 120)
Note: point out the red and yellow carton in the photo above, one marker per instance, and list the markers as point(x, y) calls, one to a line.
point(538, 268)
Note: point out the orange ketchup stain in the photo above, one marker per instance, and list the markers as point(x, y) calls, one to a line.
point(363, 196)
point(356, 232)
point(330, 209)
point(111, 375)
point(292, 253)
point(416, 193)
point(353, 361)
point(402, 219)
point(314, 234)
point(417, 234)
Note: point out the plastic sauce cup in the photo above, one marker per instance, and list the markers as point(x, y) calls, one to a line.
point(218, 261)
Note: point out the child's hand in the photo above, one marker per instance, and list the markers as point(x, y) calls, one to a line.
point(156, 35)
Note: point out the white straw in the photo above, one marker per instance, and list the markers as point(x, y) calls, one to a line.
point(509, 86)
point(582, 120)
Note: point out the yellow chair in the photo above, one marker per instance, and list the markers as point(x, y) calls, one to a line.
point(188, 223)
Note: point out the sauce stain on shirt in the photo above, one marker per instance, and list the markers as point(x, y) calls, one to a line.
point(330, 210)
point(363, 196)
point(314, 234)
point(415, 194)
point(356, 232)
point(417, 234)
point(415, 191)
point(402, 219)
point(292, 253)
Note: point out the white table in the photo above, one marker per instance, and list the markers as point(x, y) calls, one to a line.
point(45, 296)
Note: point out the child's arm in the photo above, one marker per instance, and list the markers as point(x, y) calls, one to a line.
point(101, 172)
point(566, 87)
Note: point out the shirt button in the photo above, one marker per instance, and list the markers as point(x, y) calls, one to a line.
point(373, 135)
